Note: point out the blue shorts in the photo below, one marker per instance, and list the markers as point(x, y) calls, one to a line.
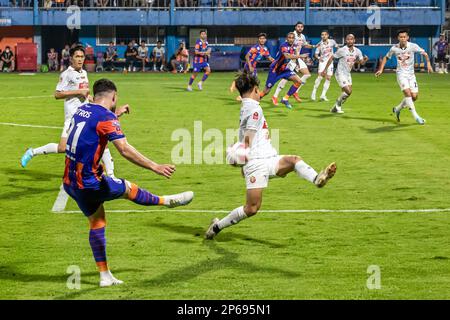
point(274, 77)
point(246, 67)
point(89, 200)
point(200, 66)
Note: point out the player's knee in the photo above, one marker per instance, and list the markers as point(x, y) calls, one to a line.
point(349, 92)
point(61, 148)
point(97, 223)
point(251, 209)
point(415, 97)
point(328, 78)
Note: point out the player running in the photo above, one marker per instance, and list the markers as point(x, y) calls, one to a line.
point(279, 69)
point(404, 52)
point(254, 55)
point(201, 58)
point(347, 56)
point(323, 52)
point(73, 86)
point(92, 126)
point(297, 65)
point(263, 161)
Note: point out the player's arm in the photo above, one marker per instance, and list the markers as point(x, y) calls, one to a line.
point(131, 154)
point(329, 62)
point(83, 93)
point(291, 56)
point(427, 59)
point(247, 59)
point(364, 60)
point(381, 69)
point(249, 134)
point(122, 110)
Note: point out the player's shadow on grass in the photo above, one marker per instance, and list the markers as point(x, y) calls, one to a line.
point(24, 192)
point(20, 174)
point(178, 89)
point(226, 259)
point(225, 237)
point(391, 128)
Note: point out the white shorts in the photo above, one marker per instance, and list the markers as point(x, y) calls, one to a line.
point(407, 81)
point(343, 79)
point(297, 65)
point(322, 66)
point(257, 172)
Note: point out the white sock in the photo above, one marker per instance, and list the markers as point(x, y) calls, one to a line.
point(401, 105)
point(232, 218)
point(108, 162)
point(326, 85)
point(280, 87)
point(106, 275)
point(317, 83)
point(340, 101)
point(304, 171)
point(410, 103)
point(303, 81)
point(48, 148)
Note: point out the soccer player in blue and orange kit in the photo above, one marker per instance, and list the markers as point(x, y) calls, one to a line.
point(201, 58)
point(279, 69)
point(92, 126)
point(256, 53)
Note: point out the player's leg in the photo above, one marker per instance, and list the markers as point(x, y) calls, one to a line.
point(305, 76)
point(292, 90)
point(345, 94)
point(233, 86)
point(278, 90)
point(288, 164)
point(254, 200)
point(192, 78)
point(205, 76)
point(326, 84)
point(108, 162)
point(316, 84)
point(411, 91)
point(145, 198)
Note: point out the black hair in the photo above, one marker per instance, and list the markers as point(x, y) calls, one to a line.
point(159, 41)
point(75, 49)
point(8, 47)
point(203, 30)
point(326, 31)
point(103, 86)
point(246, 82)
point(290, 33)
point(402, 31)
point(262, 34)
point(299, 22)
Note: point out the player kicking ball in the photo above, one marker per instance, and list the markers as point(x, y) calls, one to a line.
point(323, 52)
point(404, 52)
point(263, 162)
point(201, 58)
point(92, 126)
point(347, 57)
point(73, 87)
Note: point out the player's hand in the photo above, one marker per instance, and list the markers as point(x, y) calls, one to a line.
point(90, 98)
point(165, 170)
point(378, 73)
point(323, 74)
point(84, 93)
point(429, 68)
point(123, 109)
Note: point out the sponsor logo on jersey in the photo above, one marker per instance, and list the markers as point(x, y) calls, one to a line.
point(255, 116)
point(252, 179)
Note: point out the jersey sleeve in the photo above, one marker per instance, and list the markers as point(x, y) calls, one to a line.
point(197, 46)
point(390, 53)
point(110, 128)
point(360, 55)
point(63, 82)
point(416, 48)
point(254, 120)
point(338, 54)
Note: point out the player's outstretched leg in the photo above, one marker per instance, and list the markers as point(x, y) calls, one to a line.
point(97, 240)
point(280, 87)
point(205, 76)
point(303, 79)
point(346, 92)
point(30, 152)
point(108, 162)
point(191, 81)
point(146, 198)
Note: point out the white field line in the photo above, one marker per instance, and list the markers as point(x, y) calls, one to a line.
point(61, 200)
point(25, 97)
point(281, 211)
point(28, 125)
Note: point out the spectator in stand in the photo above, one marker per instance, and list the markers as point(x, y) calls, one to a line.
point(142, 56)
point(7, 59)
point(99, 62)
point(182, 3)
point(159, 57)
point(102, 3)
point(48, 4)
point(1, 62)
point(441, 46)
point(65, 58)
point(111, 56)
point(130, 58)
point(52, 60)
point(180, 60)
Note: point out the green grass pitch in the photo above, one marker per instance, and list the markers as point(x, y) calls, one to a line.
point(382, 165)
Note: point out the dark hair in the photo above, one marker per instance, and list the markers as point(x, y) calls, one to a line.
point(203, 30)
point(402, 31)
point(262, 34)
point(159, 41)
point(7, 47)
point(325, 31)
point(104, 85)
point(290, 33)
point(246, 82)
point(75, 49)
point(299, 22)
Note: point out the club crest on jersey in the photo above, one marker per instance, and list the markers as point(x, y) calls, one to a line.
point(255, 116)
point(252, 179)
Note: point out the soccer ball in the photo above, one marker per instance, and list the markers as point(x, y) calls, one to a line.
point(237, 154)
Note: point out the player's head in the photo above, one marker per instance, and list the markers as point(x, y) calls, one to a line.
point(77, 54)
point(203, 34)
point(350, 40)
point(248, 85)
point(442, 37)
point(324, 35)
point(403, 36)
point(159, 43)
point(299, 26)
point(262, 39)
point(105, 93)
point(290, 38)
point(7, 49)
point(143, 43)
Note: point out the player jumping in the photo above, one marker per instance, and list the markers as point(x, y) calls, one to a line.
point(201, 57)
point(347, 56)
point(254, 55)
point(279, 69)
point(404, 52)
point(323, 52)
point(73, 86)
point(263, 160)
point(92, 126)
point(297, 65)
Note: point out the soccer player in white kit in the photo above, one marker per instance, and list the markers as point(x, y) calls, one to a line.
point(404, 52)
point(263, 162)
point(297, 65)
point(324, 51)
point(348, 55)
point(73, 86)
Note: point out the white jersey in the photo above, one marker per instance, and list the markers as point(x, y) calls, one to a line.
point(72, 80)
point(252, 118)
point(300, 41)
point(405, 57)
point(347, 59)
point(158, 52)
point(325, 50)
